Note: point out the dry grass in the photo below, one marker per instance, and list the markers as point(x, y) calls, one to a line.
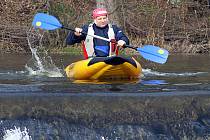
point(179, 26)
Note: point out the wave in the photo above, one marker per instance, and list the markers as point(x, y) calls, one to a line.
point(149, 72)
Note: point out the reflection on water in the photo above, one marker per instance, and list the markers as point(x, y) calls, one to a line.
point(154, 82)
point(16, 77)
point(169, 74)
point(170, 101)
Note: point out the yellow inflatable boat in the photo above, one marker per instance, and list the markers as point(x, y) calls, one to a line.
point(96, 68)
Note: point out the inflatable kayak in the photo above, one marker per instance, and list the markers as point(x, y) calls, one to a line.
point(114, 67)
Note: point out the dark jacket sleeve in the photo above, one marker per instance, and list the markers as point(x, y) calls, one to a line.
point(119, 35)
point(72, 38)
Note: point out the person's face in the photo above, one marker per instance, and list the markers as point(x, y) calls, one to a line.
point(101, 21)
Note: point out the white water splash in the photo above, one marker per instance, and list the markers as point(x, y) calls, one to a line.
point(41, 64)
point(103, 138)
point(149, 72)
point(16, 134)
point(39, 72)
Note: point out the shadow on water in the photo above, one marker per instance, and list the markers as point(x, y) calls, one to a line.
point(170, 101)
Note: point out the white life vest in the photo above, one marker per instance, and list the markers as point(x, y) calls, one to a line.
point(88, 43)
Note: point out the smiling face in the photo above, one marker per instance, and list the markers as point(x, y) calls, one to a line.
point(101, 21)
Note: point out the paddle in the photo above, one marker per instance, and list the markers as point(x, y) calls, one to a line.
point(48, 22)
point(149, 52)
point(152, 53)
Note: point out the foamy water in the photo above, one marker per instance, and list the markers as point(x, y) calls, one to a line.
point(56, 72)
point(17, 134)
point(44, 72)
point(149, 72)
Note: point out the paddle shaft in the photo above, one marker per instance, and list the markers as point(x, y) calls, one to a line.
point(149, 52)
point(95, 36)
point(50, 23)
point(142, 50)
point(99, 37)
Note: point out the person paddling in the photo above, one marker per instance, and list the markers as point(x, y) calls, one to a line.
point(101, 27)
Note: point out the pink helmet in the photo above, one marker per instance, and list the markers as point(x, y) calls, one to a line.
point(99, 12)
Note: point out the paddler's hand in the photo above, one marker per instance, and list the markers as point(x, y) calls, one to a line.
point(78, 31)
point(121, 43)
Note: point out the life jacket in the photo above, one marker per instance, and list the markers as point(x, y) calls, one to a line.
point(88, 46)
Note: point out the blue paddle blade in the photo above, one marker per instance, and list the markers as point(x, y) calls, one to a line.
point(154, 53)
point(45, 21)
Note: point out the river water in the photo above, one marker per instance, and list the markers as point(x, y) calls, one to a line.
point(169, 101)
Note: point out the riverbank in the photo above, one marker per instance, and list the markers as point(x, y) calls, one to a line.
point(180, 27)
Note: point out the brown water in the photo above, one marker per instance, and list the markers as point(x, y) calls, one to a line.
point(170, 101)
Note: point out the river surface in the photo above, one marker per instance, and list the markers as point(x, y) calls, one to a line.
point(169, 101)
